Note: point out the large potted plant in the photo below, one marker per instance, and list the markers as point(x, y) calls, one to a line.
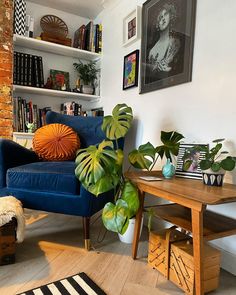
point(214, 164)
point(99, 168)
point(88, 74)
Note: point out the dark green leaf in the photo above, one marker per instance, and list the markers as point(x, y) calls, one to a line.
point(143, 157)
point(228, 164)
point(218, 140)
point(215, 166)
point(130, 195)
point(205, 164)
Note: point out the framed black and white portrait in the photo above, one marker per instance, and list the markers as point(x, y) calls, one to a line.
point(167, 43)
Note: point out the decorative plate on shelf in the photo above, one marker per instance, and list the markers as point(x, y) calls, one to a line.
point(54, 26)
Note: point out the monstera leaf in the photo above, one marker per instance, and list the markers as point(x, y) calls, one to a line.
point(143, 157)
point(115, 217)
point(117, 125)
point(98, 168)
point(130, 196)
point(171, 141)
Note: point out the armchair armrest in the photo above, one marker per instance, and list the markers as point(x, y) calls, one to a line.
point(11, 155)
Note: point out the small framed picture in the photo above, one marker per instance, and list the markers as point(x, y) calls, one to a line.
point(130, 72)
point(195, 156)
point(132, 26)
point(60, 80)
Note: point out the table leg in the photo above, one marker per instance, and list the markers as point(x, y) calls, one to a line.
point(197, 231)
point(137, 225)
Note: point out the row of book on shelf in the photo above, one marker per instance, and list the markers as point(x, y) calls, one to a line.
point(25, 112)
point(74, 109)
point(89, 37)
point(28, 70)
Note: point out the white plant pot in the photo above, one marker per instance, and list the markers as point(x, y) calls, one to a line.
point(128, 236)
point(87, 89)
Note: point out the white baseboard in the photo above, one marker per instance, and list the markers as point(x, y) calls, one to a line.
point(228, 261)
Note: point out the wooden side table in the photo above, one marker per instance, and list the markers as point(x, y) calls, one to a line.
point(188, 211)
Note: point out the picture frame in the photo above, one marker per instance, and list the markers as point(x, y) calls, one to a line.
point(60, 80)
point(130, 70)
point(194, 170)
point(132, 26)
point(167, 43)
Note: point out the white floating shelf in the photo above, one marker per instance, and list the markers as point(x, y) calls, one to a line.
point(54, 48)
point(56, 93)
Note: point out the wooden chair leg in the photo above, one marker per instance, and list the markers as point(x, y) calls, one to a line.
point(86, 225)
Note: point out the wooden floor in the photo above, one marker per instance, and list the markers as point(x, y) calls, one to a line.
point(53, 249)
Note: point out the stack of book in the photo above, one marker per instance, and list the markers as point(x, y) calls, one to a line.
point(26, 112)
point(89, 37)
point(71, 108)
point(28, 70)
point(94, 113)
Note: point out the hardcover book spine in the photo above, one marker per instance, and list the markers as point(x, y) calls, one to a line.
point(14, 68)
point(18, 68)
point(35, 71)
point(100, 39)
point(22, 69)
point(40, 69)
point(30, 69)
point(26, 69)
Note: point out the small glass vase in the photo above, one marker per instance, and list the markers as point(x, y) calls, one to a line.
point(168, 169)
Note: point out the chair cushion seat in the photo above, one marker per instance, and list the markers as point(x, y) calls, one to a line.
point(44, 176)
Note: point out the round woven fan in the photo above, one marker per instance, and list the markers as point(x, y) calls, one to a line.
point(54, 26)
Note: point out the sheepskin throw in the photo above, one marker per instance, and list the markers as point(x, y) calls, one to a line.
point(11, 207)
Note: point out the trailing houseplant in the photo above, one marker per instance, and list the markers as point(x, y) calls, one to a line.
point(215, 162)
point(88, 74)
point(99, 168)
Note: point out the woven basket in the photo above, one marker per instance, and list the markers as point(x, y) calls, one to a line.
point(54, 26)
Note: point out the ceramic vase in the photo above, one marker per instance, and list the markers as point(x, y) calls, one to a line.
point(87, 89)
point(213, 178)
point(168, 169)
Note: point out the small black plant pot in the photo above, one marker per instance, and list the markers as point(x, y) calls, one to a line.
point(213, 179)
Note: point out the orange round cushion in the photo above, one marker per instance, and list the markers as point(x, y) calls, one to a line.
point(56, 142)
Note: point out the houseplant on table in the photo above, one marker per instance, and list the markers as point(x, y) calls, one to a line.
point(99, 168)
point(88, 74)
point(214, 164)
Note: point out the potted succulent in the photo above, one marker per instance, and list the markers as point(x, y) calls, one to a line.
point(99, 168)
point(214, 164)
point(88, 74)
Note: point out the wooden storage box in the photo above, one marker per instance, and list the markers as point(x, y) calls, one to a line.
point(159, 248)
point(181, 267)
point(7, 242)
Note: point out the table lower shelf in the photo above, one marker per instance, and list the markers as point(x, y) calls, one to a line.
point(215, 226)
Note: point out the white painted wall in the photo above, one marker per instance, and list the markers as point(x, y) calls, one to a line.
point(203, 109)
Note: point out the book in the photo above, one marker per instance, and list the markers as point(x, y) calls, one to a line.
point(18, 68)
point(14, 68)
point(99, 38)
point(26, 69)
point(36, 82)
point(40, 71)
point(22, 70)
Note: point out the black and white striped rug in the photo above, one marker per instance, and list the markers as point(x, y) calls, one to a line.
point(77, 284)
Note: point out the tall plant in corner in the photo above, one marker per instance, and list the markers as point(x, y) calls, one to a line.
point(99, 168)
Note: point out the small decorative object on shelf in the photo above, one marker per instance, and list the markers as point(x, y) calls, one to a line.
point(60, 80)
point(88, 74)
point(54, 30)
point(48, 85)
point(168, 169)
point(31, 127)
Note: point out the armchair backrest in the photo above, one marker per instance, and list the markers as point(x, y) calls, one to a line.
point(88, 128)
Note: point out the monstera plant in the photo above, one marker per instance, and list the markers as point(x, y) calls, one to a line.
point(99, 167)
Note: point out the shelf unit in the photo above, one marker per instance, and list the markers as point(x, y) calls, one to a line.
point(54, 48)
point(55, 93)
point(215, 226)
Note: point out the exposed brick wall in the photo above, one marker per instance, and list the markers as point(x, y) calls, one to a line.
point(6, 66)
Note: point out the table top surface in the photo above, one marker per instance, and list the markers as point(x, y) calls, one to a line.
point(180, 189)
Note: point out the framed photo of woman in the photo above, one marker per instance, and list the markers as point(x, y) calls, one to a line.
point(167, 43)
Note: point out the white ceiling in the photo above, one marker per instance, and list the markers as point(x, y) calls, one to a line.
point(85, 8)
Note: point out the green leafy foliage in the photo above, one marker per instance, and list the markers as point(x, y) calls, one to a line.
point(87, 71)
point(130, 196)
point(143, 157)
point(98, 168)
point(213, 157)
point(171, 141)
point(117, 125)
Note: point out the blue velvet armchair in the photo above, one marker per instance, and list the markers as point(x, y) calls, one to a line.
point(52, 186)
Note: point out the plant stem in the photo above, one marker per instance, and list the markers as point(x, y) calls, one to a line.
point(153, 164)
